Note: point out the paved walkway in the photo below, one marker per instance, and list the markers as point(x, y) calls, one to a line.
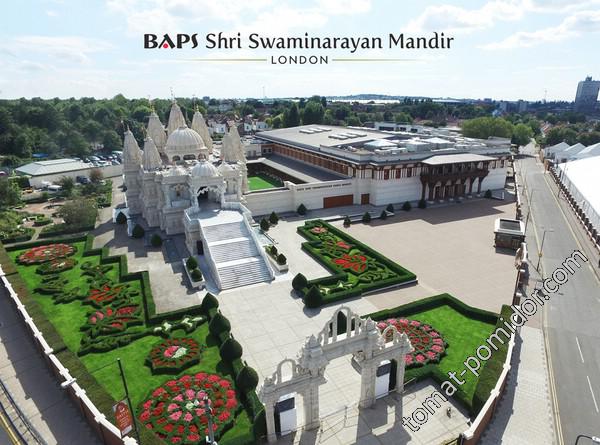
point(33, 387)
point(524, 415)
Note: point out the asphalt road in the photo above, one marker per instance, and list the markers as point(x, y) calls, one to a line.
point(572, 316)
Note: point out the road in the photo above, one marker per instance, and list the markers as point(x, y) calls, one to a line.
point(572, 315)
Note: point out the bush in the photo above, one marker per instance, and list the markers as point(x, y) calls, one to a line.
point(196, 275)
point(273, 218)
point(272, 250)
point(156, 240)
point(299, 282)
point(191, 263)
point(406, 206)
point(488, 194)
point(281, 259)
point(42, 221)
point(390, 208)
point(366, 218)
point(121, 218)
point(313, 298)
point(347, 222)
point(264, 225)
point(230, 350)
point(301, 210)
point(383, 215)
point(209, 302)
point(138, 231)
point(247, 379)
point(422, 204)
point(218, 325)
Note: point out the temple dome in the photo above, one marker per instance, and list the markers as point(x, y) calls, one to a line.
point(225, 167)
point(204, 169)
point(184, 138)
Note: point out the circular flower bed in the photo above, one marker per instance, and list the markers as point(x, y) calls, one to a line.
point(428, 344)
point(177, 413)
point(56, 266)
point(173, 355)
point(43, 254)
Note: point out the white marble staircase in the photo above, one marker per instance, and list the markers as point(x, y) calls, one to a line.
point(234, 251)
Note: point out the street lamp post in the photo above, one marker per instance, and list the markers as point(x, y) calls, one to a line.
point(210, 439)
point(594, 439)
point(542, 248)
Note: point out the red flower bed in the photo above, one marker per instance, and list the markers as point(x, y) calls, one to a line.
point(113, 320)
point(56, 266)
point(356, 263)
point(104, 295)
point(42, 254)
point(173, 355)
point(177, 413)
point(428, 344)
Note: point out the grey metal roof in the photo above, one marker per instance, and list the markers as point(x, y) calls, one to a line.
point(41, 168)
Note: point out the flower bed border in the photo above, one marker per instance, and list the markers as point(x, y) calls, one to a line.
point(404, 275)
point(174, 368)
point(101, 399)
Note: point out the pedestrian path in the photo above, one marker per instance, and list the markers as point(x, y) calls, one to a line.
point(524, 415)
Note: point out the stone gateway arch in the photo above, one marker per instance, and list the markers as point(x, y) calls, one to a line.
point(361, 338)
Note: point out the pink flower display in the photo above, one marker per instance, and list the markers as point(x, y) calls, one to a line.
point(42, 254)
point(174, 412)
point(428, 345)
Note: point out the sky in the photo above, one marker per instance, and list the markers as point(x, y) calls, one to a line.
point(502, 49)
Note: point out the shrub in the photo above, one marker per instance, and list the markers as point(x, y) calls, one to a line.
point(301, 210)
point(219, 324)
point(366, 218)
point(313, 298)
point(191, 263)
point(209, 302)
point(488, 194)
point(156, 240)
point(347, 222)
point(422, 204)
point(230, 350)
point(138, 231)
point(406, 206)
point(264, 225)
point(299, 282)
point(121, 218)
point(273, 218)
point(390, 208)
point(281, 259)
point(247, 379)
point(273, 250)
point(383, 215)
point(196, 275)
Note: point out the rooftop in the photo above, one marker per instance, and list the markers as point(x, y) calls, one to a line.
point(55, 166)
point(456, 158)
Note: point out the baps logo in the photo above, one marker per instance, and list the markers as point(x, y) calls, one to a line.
point(178, 41)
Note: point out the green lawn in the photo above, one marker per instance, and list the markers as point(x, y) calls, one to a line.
point(68, 318)
point(262, 182)
point(463, 335)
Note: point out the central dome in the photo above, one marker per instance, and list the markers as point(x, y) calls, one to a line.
point(204, 169)
point(184, 139)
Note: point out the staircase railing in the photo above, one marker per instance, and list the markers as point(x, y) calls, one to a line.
point(247, 218)
point(189, 214)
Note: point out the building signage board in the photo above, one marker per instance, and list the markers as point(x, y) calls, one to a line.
point(123, 418)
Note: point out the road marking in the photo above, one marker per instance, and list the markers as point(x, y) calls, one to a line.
point(7, 426)
point(579, 347)
point(593, 396)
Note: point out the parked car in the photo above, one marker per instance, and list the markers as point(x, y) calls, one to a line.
point(83, 179)
point(115, 162)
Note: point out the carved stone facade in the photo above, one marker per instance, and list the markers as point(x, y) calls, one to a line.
point(361, 338)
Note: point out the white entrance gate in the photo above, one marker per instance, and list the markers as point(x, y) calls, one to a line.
point(362, 339)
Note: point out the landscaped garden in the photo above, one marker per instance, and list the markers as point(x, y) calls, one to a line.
point(92, 312)
point(444, 332)
point(356, 267)
point(261, 182)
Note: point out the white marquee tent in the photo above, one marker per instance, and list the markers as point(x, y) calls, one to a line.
point(582, 180)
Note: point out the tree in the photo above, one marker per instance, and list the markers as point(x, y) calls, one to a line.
point(299, 282)
point(196, 275)
point(191, 263)
point(273, 218)
point(291, 116)
point(10, 194)
point(366, 218)
point(264, 225)
point(121, 218)
point(96, 175)
point(313, 113)
point(156, 240)
point(80, 212)
point(218, 325)
point(138, 231)
point(247, 379)
point(347, 222)
point(281, 259)
point(403, 118)
point(111, 140)
point(68, 184)
point(209, 302)
point(522, 134)
point(484, 127)
point(406, 206)
point(301, 210)
point(313, 298)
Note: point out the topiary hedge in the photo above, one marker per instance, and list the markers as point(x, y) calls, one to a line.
point(247, 379)
point(209, 302)
point(191, 263)
point(313, 298)
point(138, 231)
point(230, 350)
point(301, 210)
point(121, 218)
point(219, 324)
point(156, 240)
point(299, 282)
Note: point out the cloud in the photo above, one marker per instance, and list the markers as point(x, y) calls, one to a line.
point(551, 6)
point(29, 66)
point(69, 48)
point(51, 13)
point(456, 19)
point(575, 25)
